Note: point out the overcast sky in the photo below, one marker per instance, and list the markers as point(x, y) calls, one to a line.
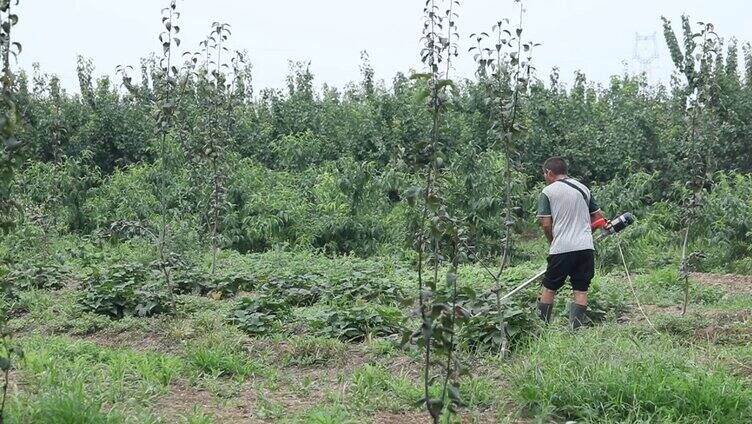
point(595, 36)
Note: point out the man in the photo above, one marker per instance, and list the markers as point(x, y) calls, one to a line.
point(566, 209)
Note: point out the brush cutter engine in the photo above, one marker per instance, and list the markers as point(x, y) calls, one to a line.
point(613, 226)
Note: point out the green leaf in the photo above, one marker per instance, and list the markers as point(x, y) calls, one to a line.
point(443, 83)
point(421, 76)
point(422, 94)
point(4, 363)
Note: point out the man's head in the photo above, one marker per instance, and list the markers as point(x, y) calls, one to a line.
point(553, 169)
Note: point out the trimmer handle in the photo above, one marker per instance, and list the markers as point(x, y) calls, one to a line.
point(599, 223)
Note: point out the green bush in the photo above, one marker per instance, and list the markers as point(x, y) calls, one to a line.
point(299, 151)
point(356, 322)
point(482, 330)
point(295, 290)
point(127, 195)
point(724, 223)
point(366, 285)
point(189, 278)
point(124, 289)
point(37, 274)
point(259, 315)
point(256, 221)
point(607, 298)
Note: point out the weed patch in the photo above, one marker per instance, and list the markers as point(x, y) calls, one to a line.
point(603, 375)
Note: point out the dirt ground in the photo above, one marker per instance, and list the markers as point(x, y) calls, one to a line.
point(730, 282)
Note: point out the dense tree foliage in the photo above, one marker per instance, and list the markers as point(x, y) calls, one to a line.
point(328, 168)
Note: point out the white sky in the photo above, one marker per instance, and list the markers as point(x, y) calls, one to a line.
point(595, 36)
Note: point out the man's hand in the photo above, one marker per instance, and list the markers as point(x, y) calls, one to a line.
point(548, 227)
point(596, 216)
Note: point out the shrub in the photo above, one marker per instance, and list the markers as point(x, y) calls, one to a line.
point(295, 290)
point(299, 151)
point(256, 221)
point(356, 322)
point(607, 298)
point(481, 330)
point(127, 195)
point(725, 220)
point(364, 285)
point(124, 289)
point(37, 274)
point(190, 279)
point(260, 315)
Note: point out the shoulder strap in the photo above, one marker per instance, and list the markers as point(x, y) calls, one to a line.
point(574, 186)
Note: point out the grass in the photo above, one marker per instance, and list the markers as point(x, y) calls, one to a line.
point(72, 405)
point(307, 351)
point(605, 374)
point(82, 367)
point(220, 353)
point(374, 387)
point(197, 416)
point(664, 287)
point(221, 360)
point(327, 415)
point(72, 380)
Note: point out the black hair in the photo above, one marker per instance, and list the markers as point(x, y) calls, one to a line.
point(556, 165)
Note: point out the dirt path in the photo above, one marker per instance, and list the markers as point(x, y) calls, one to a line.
point(730, 282)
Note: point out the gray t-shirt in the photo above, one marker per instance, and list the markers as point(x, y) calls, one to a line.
point(571, 215)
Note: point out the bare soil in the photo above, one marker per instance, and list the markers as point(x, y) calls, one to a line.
point(733, 283)
point(183, 398)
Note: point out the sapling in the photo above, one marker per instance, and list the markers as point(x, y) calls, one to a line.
point(216, 94)
point(10, 148)
point(696, 64)
point(505, 75)
point(166, 102)
point(216, 145)
point(9, 161)
point(433, 223)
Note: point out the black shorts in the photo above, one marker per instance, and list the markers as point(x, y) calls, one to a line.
point(579, 266)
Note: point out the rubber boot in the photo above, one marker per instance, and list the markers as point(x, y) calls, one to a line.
point(576, 315)
point(544, 311)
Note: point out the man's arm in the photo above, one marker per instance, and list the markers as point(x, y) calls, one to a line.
point(544, 217)
point(548, 227)
point(595, 211)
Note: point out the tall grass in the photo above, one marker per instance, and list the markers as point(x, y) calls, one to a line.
point(606, 375)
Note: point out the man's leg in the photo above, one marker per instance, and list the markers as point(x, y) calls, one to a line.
point(546, 304)
point(580, 297)
point(577, 309)
point(581, 276)
point(556, 273)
